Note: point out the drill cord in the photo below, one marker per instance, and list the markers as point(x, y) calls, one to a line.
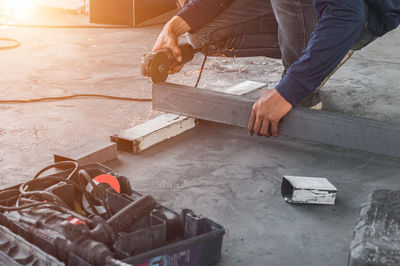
point(14, 44)
point(66, 97)
point(203, 64)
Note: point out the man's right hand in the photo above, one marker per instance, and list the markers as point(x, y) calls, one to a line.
point(168, 39)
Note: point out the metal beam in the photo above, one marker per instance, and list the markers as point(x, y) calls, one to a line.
point(151, 132)
point(301, 123)
point(99, 152)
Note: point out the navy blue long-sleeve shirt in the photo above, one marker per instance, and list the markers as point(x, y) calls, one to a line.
point(339, 25)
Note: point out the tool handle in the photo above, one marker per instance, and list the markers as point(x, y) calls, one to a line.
point(132, 213)
point(187, 53)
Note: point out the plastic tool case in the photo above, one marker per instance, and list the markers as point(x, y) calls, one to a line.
point(89, 215)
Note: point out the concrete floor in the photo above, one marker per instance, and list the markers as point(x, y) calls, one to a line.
point(234, 179)
point(216, 170)
point(368, 84)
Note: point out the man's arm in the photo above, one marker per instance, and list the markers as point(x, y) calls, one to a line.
point(339, 25)
point(168, 38)
point(189, 19)
point(197, 13)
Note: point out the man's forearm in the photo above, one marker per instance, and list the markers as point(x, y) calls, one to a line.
point(178, 26)
point(338, 28)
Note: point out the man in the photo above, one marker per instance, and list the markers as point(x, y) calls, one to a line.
point(311, 37)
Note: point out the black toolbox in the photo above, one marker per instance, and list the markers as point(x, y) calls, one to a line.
point(37, 230)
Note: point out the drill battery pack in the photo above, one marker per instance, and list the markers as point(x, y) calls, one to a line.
point(89, 215)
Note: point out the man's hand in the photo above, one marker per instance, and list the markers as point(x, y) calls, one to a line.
point(168, 39)
point(181, 3)
point(269, 109)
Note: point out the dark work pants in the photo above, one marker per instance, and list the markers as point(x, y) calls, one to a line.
point(272, 28)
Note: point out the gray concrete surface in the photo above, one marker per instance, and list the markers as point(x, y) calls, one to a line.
point(55, 62)
point(234, 179)
point(368, 84)
point(216, 170)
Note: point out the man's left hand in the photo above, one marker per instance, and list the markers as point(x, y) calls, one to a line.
point(269, 109)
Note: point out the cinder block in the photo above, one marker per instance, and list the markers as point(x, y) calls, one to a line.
point(376, 239)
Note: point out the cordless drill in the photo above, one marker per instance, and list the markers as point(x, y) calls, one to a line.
point(157, 65)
